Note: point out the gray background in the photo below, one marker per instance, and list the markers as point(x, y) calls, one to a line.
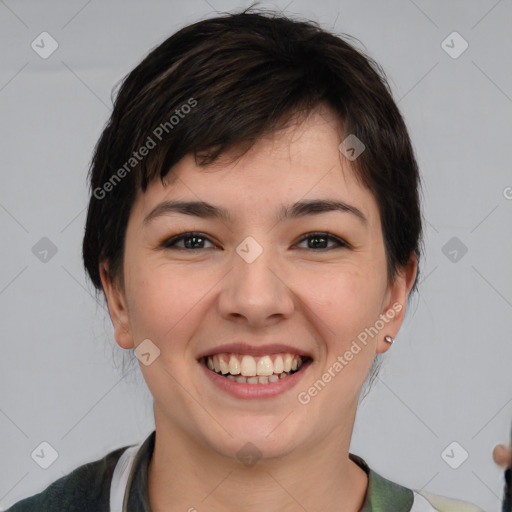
point(446, 379)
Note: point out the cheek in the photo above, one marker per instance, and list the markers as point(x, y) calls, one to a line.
point(344, 302)
point(348, 291)
point(162, 303)
point(345, 320)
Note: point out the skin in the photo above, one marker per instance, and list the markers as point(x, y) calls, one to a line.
point(502, 455)
point(189, 300)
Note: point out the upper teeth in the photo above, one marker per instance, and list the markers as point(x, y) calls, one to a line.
point(249, 366)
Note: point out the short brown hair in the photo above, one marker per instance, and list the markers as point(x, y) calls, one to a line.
point(248, 74)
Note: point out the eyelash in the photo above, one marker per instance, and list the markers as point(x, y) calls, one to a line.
point(169, 243)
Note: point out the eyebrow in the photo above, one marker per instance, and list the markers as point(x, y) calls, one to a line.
point(205, 210)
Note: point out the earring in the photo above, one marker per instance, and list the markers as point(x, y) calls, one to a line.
point(389, 339)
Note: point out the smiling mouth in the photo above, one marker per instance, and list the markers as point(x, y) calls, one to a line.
point(245, 369)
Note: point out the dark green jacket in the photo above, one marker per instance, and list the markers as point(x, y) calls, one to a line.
point(87, 489)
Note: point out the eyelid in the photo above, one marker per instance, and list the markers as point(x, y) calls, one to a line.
point(329, 236)
point(189, 234)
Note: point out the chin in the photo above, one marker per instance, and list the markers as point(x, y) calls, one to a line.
point(253, 440)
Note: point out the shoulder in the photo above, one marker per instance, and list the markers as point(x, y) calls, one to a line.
point(426, 502)
point(384, 495)
point(85, 488)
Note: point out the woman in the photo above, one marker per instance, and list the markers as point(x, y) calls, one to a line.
point(255, 227)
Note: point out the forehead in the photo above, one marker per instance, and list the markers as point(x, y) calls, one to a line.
point(300, 162)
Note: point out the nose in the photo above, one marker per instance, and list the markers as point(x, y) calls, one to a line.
point(258, 290)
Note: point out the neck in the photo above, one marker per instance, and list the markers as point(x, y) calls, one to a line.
point(184, 476)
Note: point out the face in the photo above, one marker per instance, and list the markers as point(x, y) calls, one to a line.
point(312, 281)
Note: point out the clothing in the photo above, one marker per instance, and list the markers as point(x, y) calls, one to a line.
point(88, 488)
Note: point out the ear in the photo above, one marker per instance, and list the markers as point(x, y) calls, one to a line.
point(117, 308)
point(394, 304)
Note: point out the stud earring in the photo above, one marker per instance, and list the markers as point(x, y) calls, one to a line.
point(389, 339)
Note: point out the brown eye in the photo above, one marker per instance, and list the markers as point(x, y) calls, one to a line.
point(192, 240)
point(319, 240)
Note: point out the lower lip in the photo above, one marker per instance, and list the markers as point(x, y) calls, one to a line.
point(248, 391)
